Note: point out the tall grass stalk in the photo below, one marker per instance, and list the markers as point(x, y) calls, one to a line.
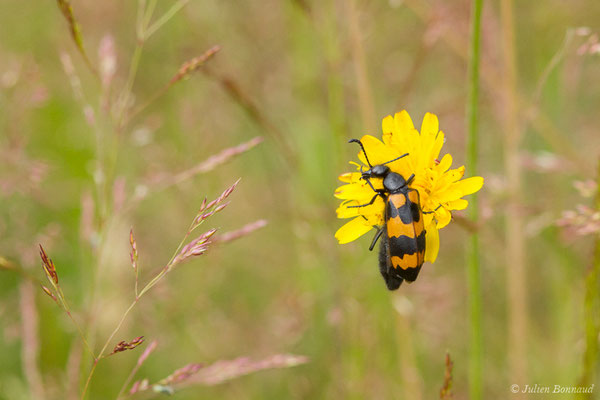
point(592, 311)
point(473, 262)
point(515, 240)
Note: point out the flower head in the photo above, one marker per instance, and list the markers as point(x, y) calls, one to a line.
point(440, 188)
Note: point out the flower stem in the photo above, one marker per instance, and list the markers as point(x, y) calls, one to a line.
point(473, 267)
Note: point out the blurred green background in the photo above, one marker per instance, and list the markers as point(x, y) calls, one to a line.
point(307, 76)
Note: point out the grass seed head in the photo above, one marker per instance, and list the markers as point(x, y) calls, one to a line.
point(123, 345)
point(48, 265)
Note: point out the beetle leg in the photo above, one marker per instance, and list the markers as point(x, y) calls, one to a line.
point(376, 238)
point(431, 212)
point(369, 203)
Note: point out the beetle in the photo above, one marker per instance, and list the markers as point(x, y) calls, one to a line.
point(402, 248)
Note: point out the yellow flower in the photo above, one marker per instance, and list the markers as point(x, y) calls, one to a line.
point(440, 188)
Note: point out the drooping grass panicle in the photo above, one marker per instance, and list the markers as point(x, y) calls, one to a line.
point(216, 373)
point(214, 161)
point(203, 167)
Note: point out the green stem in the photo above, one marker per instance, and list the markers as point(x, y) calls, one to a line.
point(474, 278)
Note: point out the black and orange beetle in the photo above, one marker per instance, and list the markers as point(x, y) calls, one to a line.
point(402, 249)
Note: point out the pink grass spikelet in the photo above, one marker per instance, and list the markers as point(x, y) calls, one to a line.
point(208, 210)
point(182, 374)
point(195, 248)
point(218, 159)
point(243, 231)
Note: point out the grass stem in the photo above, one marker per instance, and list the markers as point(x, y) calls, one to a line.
point(591, 311)
point(473, 262)
point(515, 239)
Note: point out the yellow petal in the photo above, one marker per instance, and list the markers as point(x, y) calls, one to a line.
point(443, 217)
point(427, 219)
point(469, 185)
point(432, 243)
point(352, 230)
point(377, 151)
point(430, 125)
point(445, 163)
point(429, 132)
point(348, 177)
point(387, 125)
point(344, 212)
point(403, 123)
point(354, 191)
point(437, 146)
point(459, 204)
point(404, 138)
point(370, 212)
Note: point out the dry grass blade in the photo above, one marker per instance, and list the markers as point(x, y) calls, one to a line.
point(235, 92)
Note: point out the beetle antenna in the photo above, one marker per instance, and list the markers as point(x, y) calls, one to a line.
point(363, 149)
point(397, 158)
